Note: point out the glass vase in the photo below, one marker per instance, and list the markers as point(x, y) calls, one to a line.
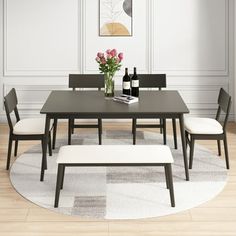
point(109, 85)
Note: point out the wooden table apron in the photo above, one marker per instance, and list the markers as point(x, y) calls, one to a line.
point(92, 104)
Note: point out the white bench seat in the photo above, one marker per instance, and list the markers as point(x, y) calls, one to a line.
point(114, 155)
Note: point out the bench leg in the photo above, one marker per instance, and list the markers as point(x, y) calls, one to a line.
point(63, 174)
point(58, 185)
point(171, 187)
point(166, 174)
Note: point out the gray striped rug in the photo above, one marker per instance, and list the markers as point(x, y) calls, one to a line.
point(119, 193)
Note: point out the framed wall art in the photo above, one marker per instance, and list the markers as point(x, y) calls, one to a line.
point(115, 17)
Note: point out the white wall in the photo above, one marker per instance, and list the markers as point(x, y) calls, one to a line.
point(42, 41)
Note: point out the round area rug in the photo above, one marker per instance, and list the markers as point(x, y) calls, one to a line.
point(115, 192)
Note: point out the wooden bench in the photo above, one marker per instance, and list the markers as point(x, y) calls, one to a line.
point(114, 155)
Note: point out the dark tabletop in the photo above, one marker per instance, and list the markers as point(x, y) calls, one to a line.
point(92, 104)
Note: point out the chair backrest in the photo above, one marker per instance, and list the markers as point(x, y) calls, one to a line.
point(86, 81)
point(224, 102)
point(10, 103)
point(152, 80)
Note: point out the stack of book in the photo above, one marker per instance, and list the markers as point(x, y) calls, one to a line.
point(127, 99)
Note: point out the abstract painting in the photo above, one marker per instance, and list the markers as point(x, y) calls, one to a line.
point(115, 18)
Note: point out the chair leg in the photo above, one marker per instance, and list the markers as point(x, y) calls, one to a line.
point(72, 126)
point(187, 140)
point(16, 148)
point(134, 131)
point(54, 134)
point(100, 131)
point(44, 162)
point(69, 131)
point(175, 133)
point(226, 151)
point(161, 123)
point(164, 131)
point(9, 152)
point(191, 152)
point(219, 147)
point(132, 126)
point(49, 144)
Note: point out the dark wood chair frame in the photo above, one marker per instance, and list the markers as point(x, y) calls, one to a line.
point(224, 104)
point(80, 81)
point(157, 81)
point(10, 103)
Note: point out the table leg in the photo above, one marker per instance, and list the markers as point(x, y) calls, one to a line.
point(45, 142)
point(174, 133)
point(183, 140)
point(54, 134)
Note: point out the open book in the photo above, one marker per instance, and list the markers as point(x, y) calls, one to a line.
point(127, 99)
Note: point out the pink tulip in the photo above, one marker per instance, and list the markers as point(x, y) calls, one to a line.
point(103, 61)
point(113, 52)
point(121, 56)
point(97, 59)
point(108, 51)
point(100, 55)
point(109, 56)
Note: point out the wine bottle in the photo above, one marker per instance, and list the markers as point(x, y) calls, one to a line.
point(135, 84)
point(126, 83)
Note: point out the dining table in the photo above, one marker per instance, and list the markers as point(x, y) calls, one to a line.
point(84, 104)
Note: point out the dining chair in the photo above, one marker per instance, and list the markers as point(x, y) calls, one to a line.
point(154, 81)
point(22, 129)
point(209, 129)
point(81, 81)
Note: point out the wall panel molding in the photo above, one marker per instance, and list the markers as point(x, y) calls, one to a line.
point(54, 65)
point(191, 72)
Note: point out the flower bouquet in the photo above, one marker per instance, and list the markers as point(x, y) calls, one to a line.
point(109, 63)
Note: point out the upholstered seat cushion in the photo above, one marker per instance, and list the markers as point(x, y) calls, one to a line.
point(196, 125)
point(111, 154)
point(30, 126)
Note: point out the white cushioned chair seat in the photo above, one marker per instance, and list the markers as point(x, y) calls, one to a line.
point(196, 125)
point(30, 126)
